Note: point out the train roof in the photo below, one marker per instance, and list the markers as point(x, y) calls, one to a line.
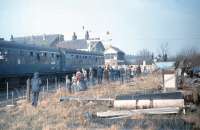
point(17, 45)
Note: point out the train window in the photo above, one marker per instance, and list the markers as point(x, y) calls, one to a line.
point(31, 53)
point(85, 57)
point(38, 56)
point(57, 56)
point(45, 54)
point(77, 56)
point(18, 61)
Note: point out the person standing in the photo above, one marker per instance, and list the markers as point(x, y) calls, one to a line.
point(99, 75)
point(106, 74)
point(122, 74)
point(36, 86)
point(91, 76)
point(74, 83)
point(68, 84)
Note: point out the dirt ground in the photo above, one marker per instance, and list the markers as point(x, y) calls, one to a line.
point(51, 114)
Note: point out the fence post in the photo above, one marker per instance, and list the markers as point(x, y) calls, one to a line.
point(7, 90)
point(12, 98)
point(47, 85)
point(28, 85)
point(43, 92)
point(56, 86)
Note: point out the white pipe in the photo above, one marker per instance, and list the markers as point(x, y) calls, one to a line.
point(156, 103)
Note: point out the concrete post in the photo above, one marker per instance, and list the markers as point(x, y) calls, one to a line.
point(28, 86)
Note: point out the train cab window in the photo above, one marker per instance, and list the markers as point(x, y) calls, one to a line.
point(31, 53)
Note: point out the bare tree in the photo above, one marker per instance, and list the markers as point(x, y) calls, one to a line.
point(146, 55)
point(188, 57)
point(164, 51)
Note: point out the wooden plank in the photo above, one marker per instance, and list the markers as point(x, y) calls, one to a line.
point(71, 98)
point(126, 113)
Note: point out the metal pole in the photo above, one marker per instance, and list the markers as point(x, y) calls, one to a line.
point(7, 89)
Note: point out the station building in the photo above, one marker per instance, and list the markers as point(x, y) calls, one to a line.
point(114, 56)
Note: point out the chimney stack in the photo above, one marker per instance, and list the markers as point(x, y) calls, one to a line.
point(87, 36)
point(11, 38)
point(74, 37)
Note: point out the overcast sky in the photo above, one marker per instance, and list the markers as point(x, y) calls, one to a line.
point(133, 24)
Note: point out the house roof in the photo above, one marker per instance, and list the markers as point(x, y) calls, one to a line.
point(112, 49)
point(95, 44)
point(73, 44)
point(40, 39)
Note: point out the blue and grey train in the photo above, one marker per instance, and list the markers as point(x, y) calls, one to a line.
point(18, 59)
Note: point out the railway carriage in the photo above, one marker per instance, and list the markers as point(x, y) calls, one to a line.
point(17, 59)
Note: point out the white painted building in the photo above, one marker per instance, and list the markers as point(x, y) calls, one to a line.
point(114, 56)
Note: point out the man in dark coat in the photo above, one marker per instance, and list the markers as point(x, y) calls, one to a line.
point(36, 84)
point(99, 75)
point(106, 74)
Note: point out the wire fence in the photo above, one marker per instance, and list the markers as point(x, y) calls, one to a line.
point(49, 85)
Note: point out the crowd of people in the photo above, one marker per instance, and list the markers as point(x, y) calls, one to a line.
point(84, 78)
point(103, 74)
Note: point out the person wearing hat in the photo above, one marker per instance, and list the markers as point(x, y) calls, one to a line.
point(36, 84)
